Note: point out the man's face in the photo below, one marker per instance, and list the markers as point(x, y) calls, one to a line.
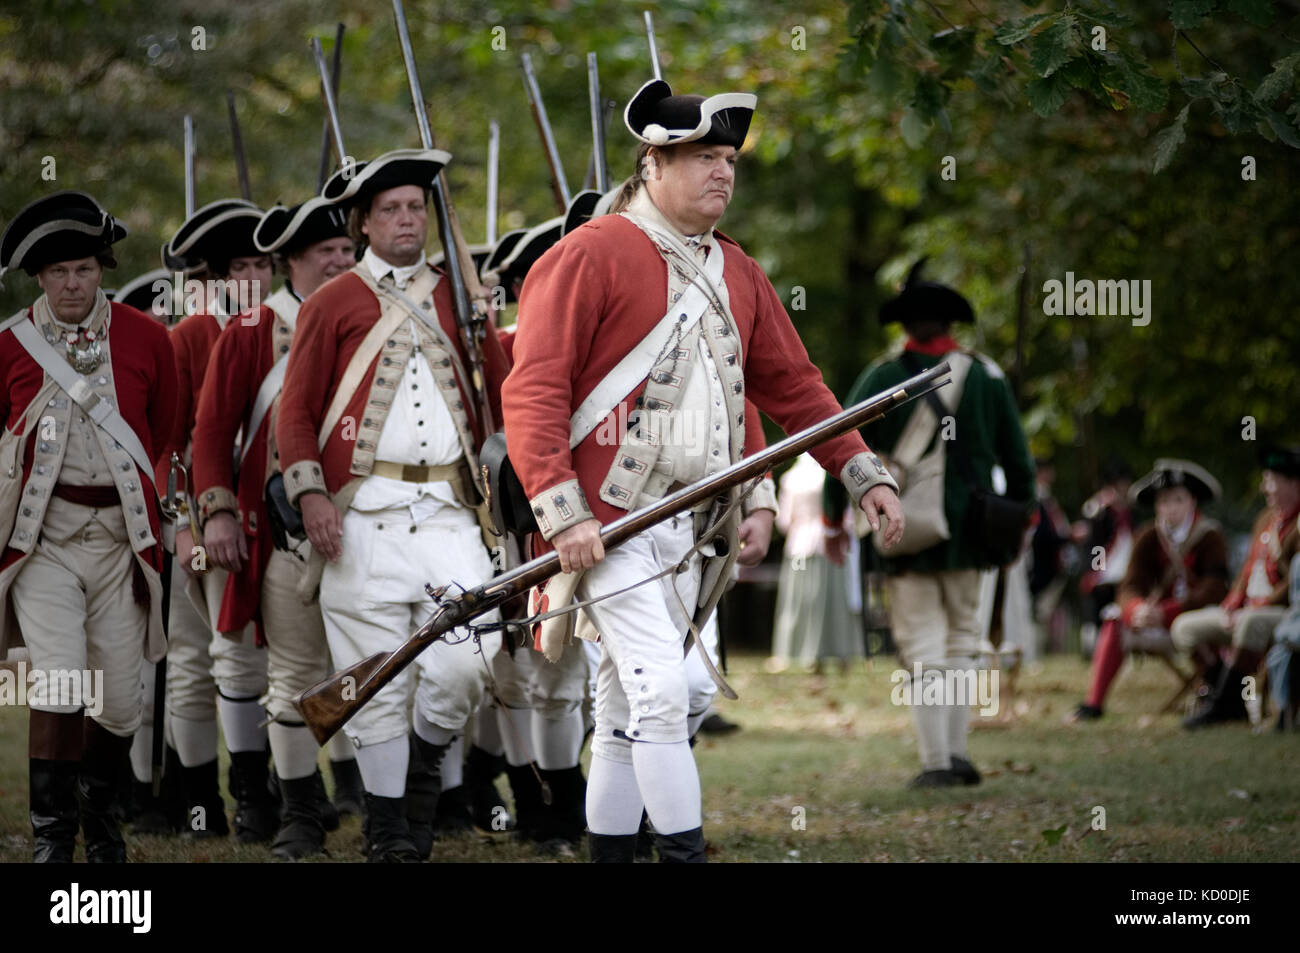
point(397, 224)
point(1174, 504)
point(318, 263)
point(248, 282)
point(1281, 492)
point(70, 287)
point(694, 188)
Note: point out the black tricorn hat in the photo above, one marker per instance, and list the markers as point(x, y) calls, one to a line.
point(581, 208)
point(64, 226)
point(926, 299)
point(656, 116)
point(352, 183)
point(499, 253)
point(220, 231)
point(1170, 473)
point(142, 293)
point(288, 230)
point(529, 247)
point(1279, 459)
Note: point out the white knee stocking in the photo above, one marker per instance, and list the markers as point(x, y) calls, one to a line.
point(614, 803)
point(670, 785)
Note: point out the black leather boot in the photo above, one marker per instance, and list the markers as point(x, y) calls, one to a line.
point(1226, 704)
point(302, 832)
point(686, 847)
point(486, 806)
point(527, 791)
point(54, 813)
point(97, 787)
point(256, 816)
point(565, 819)
point(452, 818)
point(205, 811)
point(387, 832)
point(423, 785)
point(329, 814)
point(349, 792)
point(163, 815)
point(611, 848)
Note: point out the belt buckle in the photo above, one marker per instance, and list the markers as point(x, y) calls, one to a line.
point(413, 473)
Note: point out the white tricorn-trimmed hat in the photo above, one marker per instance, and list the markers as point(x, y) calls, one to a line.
point(1170, 473)
point(62, 226)
point(530, 246)
point(388, 171)
point(581, 207)
point(656, 116)
point(142, 292)
point(287, 230)
point(478, 253)
point(221, 230)
point(499, 253)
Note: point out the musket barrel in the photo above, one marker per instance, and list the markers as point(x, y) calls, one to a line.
point(654, 49)
point(189, 166)
point(331, 107)
point(494, 159)
point(544, 126)
point(237, 141)
point(597, 125)
point(335, 77)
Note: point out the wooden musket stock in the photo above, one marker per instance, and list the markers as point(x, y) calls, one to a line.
point(325, 707)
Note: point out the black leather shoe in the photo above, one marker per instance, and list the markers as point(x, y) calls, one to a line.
point(97, 786)
point(55, 815)
point(257, 817)
point(965, 770)
point(939, 778)
point(205, 811)
point(301, 833)
point(387, 832)
point(1085, 713)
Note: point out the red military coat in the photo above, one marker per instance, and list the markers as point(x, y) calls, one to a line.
point(594, 296)
point(240, 359)
point(331, 326)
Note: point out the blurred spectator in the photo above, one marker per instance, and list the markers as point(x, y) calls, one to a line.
point(1245, 620)
point(813, 617)
point(1179, 563)
point(1106, 535)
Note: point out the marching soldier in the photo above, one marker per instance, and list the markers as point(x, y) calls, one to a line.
point(88, 395)
point(211, 673)
point(240, 392)
point(588, 303)
point(378, 441)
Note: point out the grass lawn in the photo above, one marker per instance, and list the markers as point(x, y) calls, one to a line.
point(819, 773)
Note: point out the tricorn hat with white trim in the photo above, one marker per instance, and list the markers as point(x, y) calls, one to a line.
point(288, 230)
point(581, 208)
point(656, 116)
point(64, 226)
point(143, 292)
point(400, 167)
point(219, 231)
point(532, 245)
point(500, 252)
point(1169, 473)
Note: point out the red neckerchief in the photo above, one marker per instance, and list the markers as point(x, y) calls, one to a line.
point(935, 347)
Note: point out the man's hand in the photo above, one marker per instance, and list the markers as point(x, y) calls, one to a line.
point(185, 547)
point(224, 538)
point(880, 501)
point(324, 525)
point(755, 537)
point(579, 546)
